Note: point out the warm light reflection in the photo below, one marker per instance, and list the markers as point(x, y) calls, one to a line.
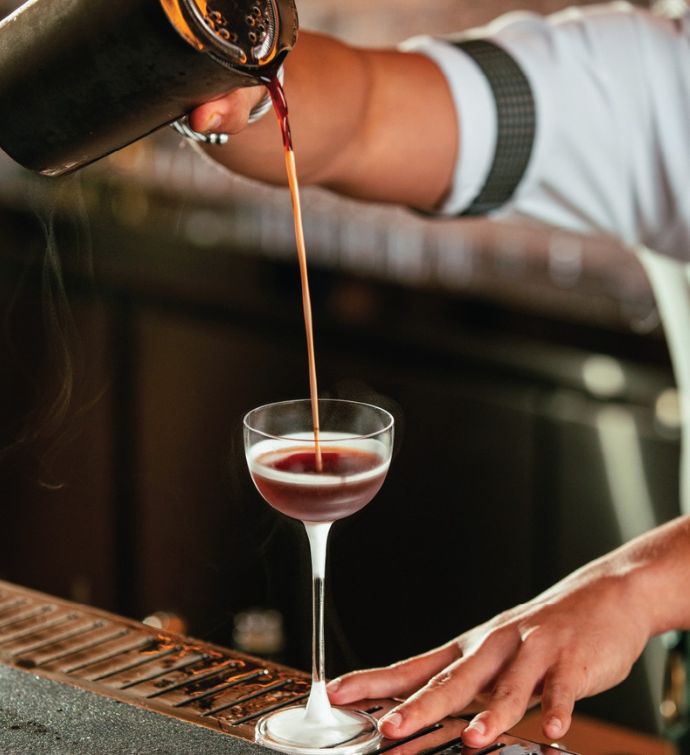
point(170, 622)
point(566, 264)
point(173, 12)
point(667, 409)
point(259, 631)
point(603, 376)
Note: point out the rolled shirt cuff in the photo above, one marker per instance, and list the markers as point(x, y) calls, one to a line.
point(476, 115)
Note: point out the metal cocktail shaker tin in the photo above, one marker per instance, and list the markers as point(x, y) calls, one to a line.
point(82, 78)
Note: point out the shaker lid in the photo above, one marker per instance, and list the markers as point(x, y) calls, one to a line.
point(239, 32)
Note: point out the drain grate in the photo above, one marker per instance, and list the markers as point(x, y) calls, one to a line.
point(128, 661)
point(183, 678)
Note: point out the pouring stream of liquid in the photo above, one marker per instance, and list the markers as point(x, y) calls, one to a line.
point(275, 89)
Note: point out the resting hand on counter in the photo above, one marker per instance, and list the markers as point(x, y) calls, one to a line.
point(575, 640)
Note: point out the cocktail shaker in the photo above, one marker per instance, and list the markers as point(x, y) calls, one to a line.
point(82, 78)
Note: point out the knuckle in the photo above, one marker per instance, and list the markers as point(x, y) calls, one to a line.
point(436, 699)
point(559, 692)
point(576, 680)
point(508, 695)
point(440, 680)
point(494, 637)
point(531, 634)
point(561, 711)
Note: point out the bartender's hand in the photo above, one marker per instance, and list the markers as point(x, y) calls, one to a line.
point(577, 639)
point(374, 124)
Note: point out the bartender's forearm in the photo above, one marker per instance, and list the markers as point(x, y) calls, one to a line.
point(652, 572)
point(377, 125)
point(659, 564)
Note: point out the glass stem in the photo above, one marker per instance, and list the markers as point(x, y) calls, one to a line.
point(318, 706)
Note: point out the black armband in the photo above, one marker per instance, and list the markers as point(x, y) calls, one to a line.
point(516, 123)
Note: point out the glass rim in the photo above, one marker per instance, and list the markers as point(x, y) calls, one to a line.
point(389, 424)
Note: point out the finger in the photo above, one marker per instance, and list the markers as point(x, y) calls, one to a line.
point(228, 113)
point(398, 679)
point(448, 692)
point(512, 693)
point(509, 700)
point(557, 703)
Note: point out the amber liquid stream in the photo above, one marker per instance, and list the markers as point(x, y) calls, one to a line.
point(277, 93)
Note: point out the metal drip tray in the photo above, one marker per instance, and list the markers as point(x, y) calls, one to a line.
point(66, 669)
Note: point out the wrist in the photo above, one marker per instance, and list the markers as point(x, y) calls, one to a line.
point(657, 571)
point(637, 584)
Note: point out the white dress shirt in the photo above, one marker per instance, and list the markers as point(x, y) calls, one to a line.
point(612, 149)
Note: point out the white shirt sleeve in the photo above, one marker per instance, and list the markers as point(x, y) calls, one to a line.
point(474, 103)
point(612, 149)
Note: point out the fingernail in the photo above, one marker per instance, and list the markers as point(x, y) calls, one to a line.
point(392, 719)
point(554, 724)
point(478, 726)
point(333, 685)
point(213, 122)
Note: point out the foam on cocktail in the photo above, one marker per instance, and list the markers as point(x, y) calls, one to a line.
point(305, 442)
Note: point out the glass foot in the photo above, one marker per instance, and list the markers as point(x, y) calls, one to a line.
point(344, 732)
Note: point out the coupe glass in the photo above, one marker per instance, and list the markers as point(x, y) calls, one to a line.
point(317, 479)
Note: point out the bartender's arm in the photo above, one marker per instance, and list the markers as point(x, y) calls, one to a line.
point(577, 639)
point(607, 143)
point(377, 125)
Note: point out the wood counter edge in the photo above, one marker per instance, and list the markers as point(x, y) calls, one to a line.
point(590, 736)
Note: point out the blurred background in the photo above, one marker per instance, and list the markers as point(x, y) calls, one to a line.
point(538, 421)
